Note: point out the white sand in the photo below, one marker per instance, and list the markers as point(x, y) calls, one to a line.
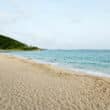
point(25, 85)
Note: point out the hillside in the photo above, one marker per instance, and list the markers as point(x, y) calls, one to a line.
point(7, 43)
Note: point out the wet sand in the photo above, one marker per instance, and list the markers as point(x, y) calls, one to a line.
point(26, 85)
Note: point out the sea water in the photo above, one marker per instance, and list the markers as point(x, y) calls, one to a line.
point(89, 61)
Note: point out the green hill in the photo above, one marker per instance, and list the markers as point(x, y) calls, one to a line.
point(7, 43)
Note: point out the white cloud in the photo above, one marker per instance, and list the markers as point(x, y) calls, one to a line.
point(7, 18)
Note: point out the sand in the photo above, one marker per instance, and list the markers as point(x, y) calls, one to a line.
point(26, 85)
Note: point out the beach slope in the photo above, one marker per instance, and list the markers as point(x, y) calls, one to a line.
point(26, 85)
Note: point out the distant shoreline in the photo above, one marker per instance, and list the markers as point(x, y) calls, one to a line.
point(8, 43)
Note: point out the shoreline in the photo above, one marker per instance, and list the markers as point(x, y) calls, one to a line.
point(60, 70)
point(64, 68)
point(27, 85)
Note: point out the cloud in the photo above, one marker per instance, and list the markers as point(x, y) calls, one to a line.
point(19, 9)
point(8, 17)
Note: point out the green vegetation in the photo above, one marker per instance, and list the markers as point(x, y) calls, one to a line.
point(7, 43)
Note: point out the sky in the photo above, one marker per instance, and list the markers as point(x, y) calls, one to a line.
point(57, 24)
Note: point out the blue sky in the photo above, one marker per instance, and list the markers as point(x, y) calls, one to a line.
point(61, 24)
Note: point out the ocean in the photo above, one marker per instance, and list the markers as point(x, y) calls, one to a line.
point(96, 62)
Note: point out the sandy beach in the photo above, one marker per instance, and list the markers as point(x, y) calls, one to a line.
point(26, 85)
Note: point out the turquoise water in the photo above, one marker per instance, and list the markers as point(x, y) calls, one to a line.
point(90, 61)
